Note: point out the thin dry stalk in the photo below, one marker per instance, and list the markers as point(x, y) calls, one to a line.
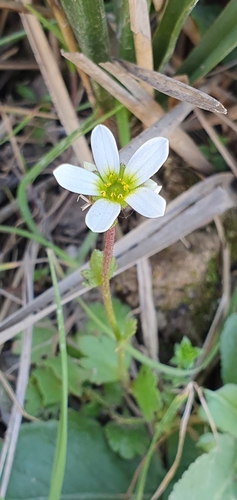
point(147, 308)
point(207, 411)
point(19, 7)
point(13, 142)
point(32, 113)
point(7, 303)
point(19, 66)
point(182, 433)
point(12, 396)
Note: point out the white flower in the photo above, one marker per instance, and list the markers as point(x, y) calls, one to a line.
point(112, 186)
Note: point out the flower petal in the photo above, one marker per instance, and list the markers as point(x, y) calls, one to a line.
point(146, 202)
point(147, 160)
point(152, 185)
point(77, 179)
point(105, 151)
point(101, 215)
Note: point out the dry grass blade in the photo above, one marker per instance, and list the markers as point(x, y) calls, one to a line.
point(19, 7)
point(55, 84)
point(108, 84)
point(27, 112)
point(193, 209)
point(214, 137)
point(147, 308)
point(140, 26)
point(182, 433)
point(175, 88)
point(180, 142)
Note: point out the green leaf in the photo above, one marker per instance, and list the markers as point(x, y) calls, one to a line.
point(76, 374)
point(113, 393)
point(212, 476)
point(222, 405)
point(228, 350)
point(42, 341)
point(92, 469)
point(49, 386)
point(185, 354)
point(204, 15)
point(127, 441)
point(101, 358)
point(169, 28)
point(93, 275)
point(144, 390)
point(206, 442)
point(216, 44)
point(33, 398)
point(130, 328)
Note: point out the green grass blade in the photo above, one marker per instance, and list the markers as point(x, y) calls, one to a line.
point(122, 119)
point(168, 30)
point(41, 240)
point(88, 21)
point(16, 129)
point(14, 37)
point(217, 43)
point(61, 446)
point(124, 35)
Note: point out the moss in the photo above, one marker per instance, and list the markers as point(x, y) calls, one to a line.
point(230, 225)
point(201, 299)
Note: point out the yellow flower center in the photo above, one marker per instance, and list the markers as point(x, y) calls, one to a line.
point(116, 187)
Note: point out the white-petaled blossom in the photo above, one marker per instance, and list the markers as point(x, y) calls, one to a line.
point(112, 186)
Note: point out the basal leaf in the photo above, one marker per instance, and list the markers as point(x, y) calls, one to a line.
point(93, 470)
point(212, 476)
point(222, 405)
